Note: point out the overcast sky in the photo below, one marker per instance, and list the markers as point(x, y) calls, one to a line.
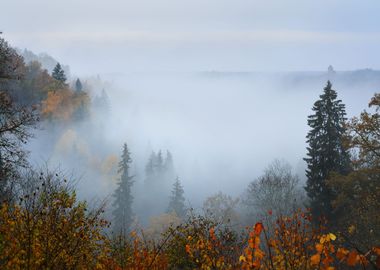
point(94, 36)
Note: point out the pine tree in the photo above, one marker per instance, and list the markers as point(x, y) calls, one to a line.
point(326, 153)
point(123, 214)
point(168, 164)
point(78, 85)
point(149, 168)
point(177, 200)
point(58, 73)
point(159, 163)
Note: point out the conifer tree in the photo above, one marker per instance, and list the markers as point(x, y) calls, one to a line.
point(58, 73)
point(159, 163)
point(177, 199)
point(123, 214)
point(78, 85)
point(326, 153)
point(168, 164)
point(149, 168)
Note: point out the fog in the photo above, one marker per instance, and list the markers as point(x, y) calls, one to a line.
point(225, 86)
point(222, 129)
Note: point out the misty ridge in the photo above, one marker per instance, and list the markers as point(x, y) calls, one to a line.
point(168, 156)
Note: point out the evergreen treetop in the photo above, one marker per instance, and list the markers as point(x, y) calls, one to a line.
point(59, 74)
point(159, 162)
point(168, 164)
point(149, 168)
point(78, 85)
point(177, 199)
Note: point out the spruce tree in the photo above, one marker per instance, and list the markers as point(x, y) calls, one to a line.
point(168, 164)
point(177, 200)
point(78, 85)
point(58, 73)
point(326, 153)
point(123, 214)
point(159, 164)
point(150, 169)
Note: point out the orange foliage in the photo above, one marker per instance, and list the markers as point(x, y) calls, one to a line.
point(62, 104)
point(53, 231)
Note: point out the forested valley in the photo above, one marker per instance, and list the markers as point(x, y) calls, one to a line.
point(134, 213)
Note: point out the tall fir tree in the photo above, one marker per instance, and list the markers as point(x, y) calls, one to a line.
point(326, 153)
point(78, 85)
point(168, 164)
point(59, 74)
point(159, 163)
point(150, 168)
point(123, 214)
point(177, 200)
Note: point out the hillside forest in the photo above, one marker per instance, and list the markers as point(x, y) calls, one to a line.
point(133, 212)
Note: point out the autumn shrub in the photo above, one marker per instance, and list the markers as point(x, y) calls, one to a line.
point(295, 244)
point(49, 229)
point(202, 243)
point(135, 252)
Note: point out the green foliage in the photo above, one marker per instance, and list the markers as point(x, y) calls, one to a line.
point(177, 200)
point(59, 74)
point(36, 84)
point(123, 214)
point(326, 152)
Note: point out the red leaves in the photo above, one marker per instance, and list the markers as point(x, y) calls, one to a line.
point(258, 228)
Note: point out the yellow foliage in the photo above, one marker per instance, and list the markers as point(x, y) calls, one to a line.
point(159, 224)
point(51, 231)
point(109, 164)
point(56, 232)
point(62, 103)
point(57, 105)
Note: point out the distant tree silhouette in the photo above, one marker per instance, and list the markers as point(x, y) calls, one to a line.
point(177, 200)
point(169, 165)
point(78, 85)
point(102, 103)
point(123, 214)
